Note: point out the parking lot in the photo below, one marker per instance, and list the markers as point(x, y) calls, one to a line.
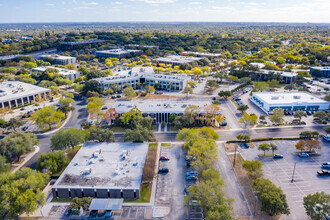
point(279, 171)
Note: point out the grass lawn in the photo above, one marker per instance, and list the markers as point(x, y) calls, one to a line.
point(153, 145)
point(61, 200)
point(144, 196)
point(117, 129)
point(166, 144)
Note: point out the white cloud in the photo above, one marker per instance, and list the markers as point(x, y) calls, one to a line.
point(117, 3)
point(90, 3)
point(195, 3)
point(81, 8)
point(50, 4)
point(154, 1)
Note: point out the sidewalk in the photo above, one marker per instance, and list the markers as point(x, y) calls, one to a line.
point(26, 159)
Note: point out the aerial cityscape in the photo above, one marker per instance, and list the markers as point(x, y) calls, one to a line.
point(165, 109)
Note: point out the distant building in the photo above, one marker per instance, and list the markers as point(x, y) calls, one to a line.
point(103, 170)
point(146, 75)
point(70, 74)
point(320, 71)
point(159, 110)
point(75, 45)
point(286, 77)
point(177, 60)
point(268, 101)
point(141, 46)
point(14, 94)
point(200, 54)
point(10, 57)
point(58, 59)
point(118, 53)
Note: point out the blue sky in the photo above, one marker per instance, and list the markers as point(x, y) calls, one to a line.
point(164, 10)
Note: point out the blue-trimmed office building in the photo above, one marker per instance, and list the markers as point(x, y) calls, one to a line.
point(268, 101)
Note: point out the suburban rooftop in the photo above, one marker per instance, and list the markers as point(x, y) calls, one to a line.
point(118, 51)
point(288, 97)
point(178, 59)
point(10, 90)
point(61, 70)
point(105, 165)
point(150, 106)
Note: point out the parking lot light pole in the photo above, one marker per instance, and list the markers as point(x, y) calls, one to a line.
point(294, 169)
point(235, 156)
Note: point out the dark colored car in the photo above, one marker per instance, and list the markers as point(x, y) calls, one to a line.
point(326, 165)
point(323, 173)
point(25, 128)
point(22, 109)
point(164, 158)
point(104, 108)
point(118, 96)
point(163, 170)
point(113, 97)
point(224, 123)
point(191, 178)
point(246, 145)
point(278, 156)
point(214, 98)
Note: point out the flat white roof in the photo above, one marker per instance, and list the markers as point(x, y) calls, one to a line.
point(101, 165)
point(178, 59)
point(118, 51)
point(321, 68)
point(159, 106)
point(278, 98)
point(11, 90)
point(61, 70)
point(58, 57)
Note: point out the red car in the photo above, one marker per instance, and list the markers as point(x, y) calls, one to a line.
point(164, 158)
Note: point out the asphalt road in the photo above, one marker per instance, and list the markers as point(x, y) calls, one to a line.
point(77, 117)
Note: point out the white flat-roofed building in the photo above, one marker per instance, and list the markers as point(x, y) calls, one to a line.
point(14, 94)
point(201, 54)
point(118, 53)
point(139, 75)
point(58, 59)
point(177, 60)
point(103, 170)
point(70, 74)
point(159, 110)
point(268, 101)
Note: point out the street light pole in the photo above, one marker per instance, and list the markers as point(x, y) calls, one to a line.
point(235, 156)
point(255, 206)
point(294, 169)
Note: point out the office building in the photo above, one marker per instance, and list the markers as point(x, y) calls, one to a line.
point(76, 45)
point(58, 59)
point(15, 94)
point(159, 110)
point(103, 170)
point(70, 74)
point(320, 71)
point(291, 101)
point(200, 54)
point(146, 75)
point(118, 53)
point(177, 60)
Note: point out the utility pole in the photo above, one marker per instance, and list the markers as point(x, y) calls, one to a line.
point(294, 169)
point(255, 206)
point(235, 155)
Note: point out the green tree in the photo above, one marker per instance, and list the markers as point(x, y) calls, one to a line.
point(94, 107)
point(101, 135)
point(320, 115)
point(77, 203)
point(150, 89)
point(21, 192)
point(96, 74)
point(277, 116)
point(139, 134)
point(220, 76)
point(65, 105)
point(273, 84)
point(280, 60)
point(248, 120)
point(16, 144)
point(317, 205)
point(29, 65)
point(4, 166)
point(68, 138)
point(327, 97)
point(313, 144)
point(327, 129)
point(301, 145)
point(127, 117)
point(273, 147)
point(187, 90)
point(115, 87)
point(224, 94)
point(254, 168)
point(129, 92)
point(264, 147)
point(242, 108)
point(243, 137)
point(273, 200)
point(299, 114)
point(260, 86)
point(92, 86)
point(52, 161)
point(14, 123)
point(47, 116)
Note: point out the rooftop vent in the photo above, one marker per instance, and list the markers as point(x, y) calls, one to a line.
point(296, 97)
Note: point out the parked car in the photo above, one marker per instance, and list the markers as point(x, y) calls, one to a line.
point(323, 173)
point(309, 113)
point(191, 173)
point(163, 170)
point(302, 155)
point(22, 109)
point(108, 214)
point(246, 145)
point(224, 123)
point(326, 165)
point(193, 203)
point(118, 96)
point(113, 97)
point(104, 108)
point(164, 158)
point(326, 138)
point(25, 128)
point(191, 178)
point(278, 156)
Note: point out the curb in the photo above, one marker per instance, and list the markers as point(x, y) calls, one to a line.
point(57, 129)
point(27, 158)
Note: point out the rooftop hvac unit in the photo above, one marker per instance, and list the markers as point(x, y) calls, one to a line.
point(87, 171)
point(296, 97)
